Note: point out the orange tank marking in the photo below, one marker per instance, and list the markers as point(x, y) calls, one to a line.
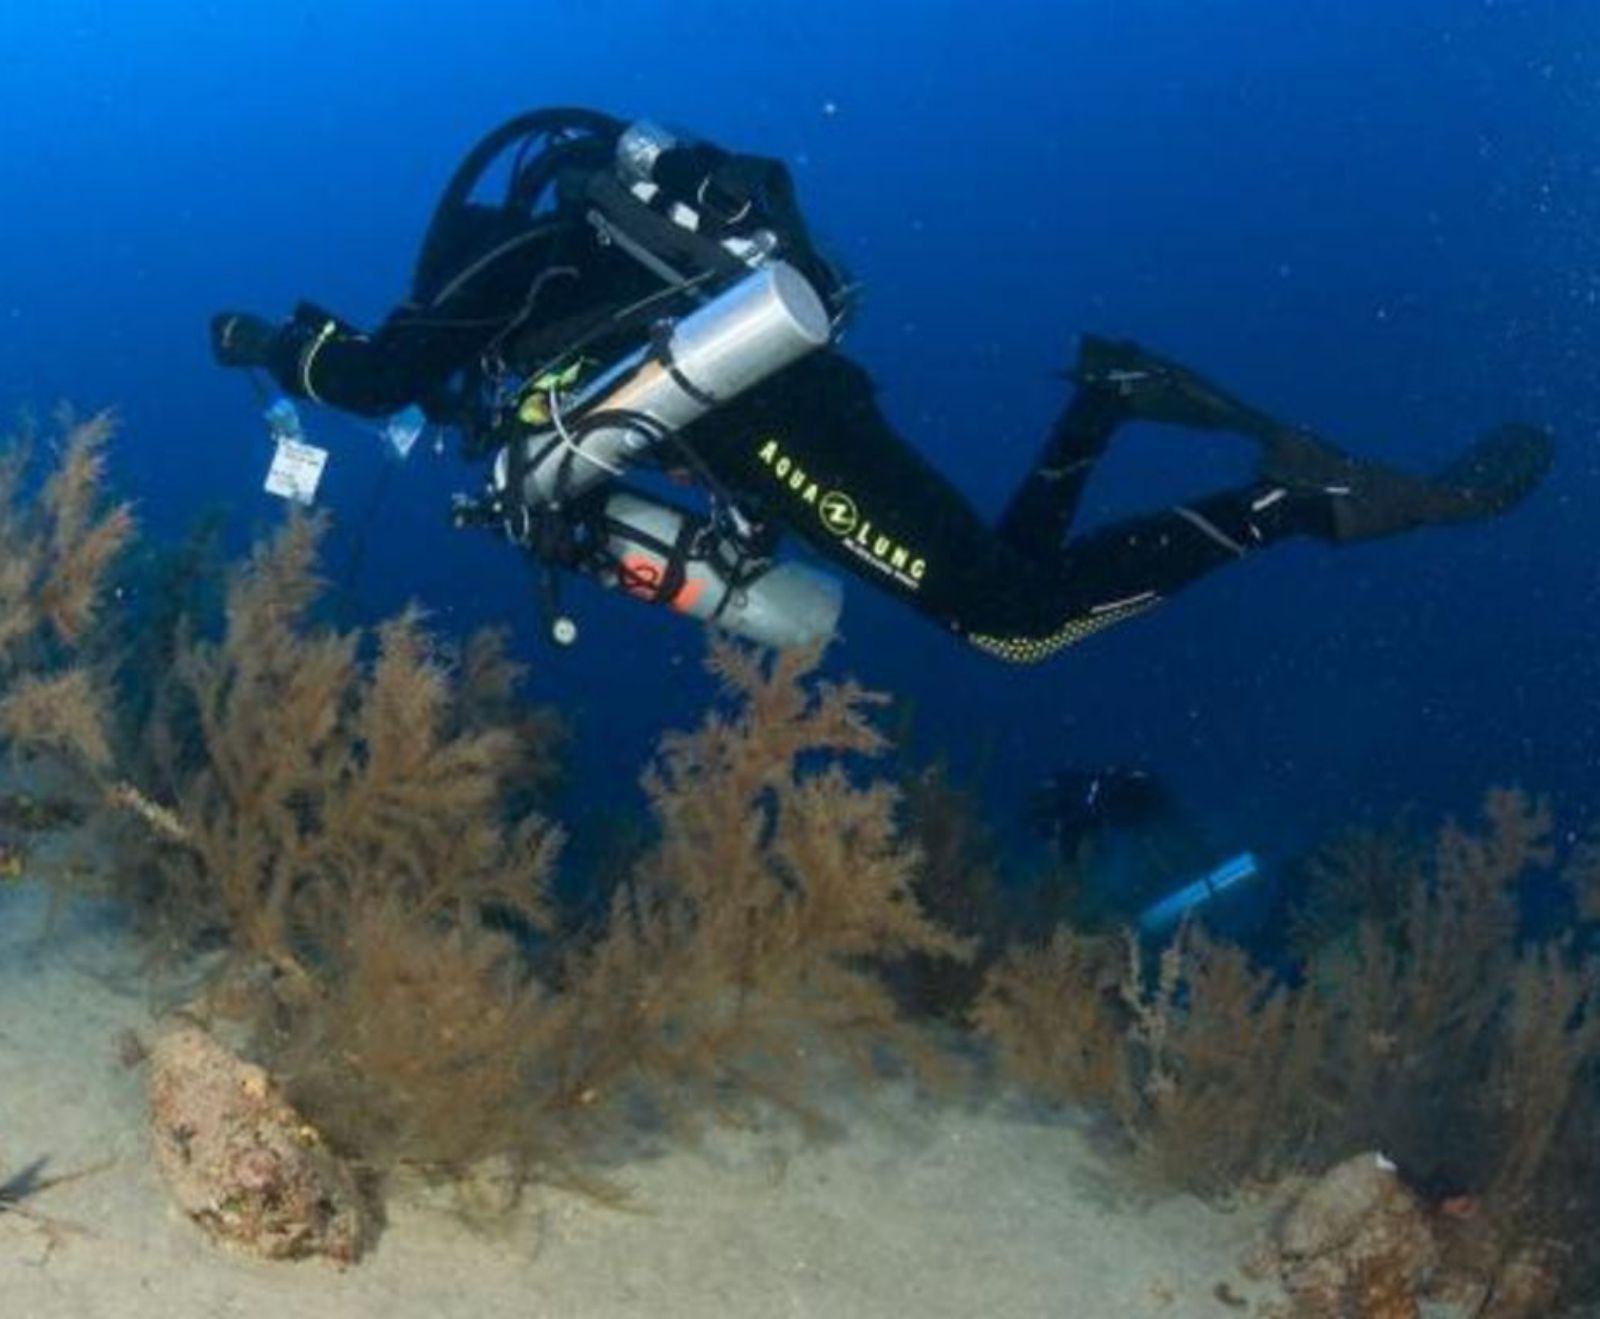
point(641, 578)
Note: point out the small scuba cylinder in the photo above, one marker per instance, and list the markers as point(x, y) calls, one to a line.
point(663, 555)
point(761, 324)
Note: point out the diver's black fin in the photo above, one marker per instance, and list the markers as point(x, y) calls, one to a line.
point(1498, 472)
point(1158, 389)
point(1370, 500)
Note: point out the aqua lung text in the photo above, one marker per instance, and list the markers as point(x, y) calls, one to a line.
point(840, 515)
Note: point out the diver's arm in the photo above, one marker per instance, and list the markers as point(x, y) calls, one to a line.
point(318, 356)
point(419, 346)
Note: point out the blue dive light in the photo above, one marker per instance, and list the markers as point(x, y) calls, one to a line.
point(1168, 911)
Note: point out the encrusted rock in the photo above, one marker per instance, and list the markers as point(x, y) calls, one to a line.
point(1356, 1242)
point(240, 1161)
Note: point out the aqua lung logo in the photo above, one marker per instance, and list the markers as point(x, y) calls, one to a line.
point(841, 516)
point(838, 513)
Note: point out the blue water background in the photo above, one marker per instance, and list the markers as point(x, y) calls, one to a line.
point(1375, 218)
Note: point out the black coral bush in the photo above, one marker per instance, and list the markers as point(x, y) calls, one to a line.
point(347, 817)
point(324, 780)
point(59, 537)
point(345, 822)
point(754, 934)
point(339, 813)
point(1435, 1029)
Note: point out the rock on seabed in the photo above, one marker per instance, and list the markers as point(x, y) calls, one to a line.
point(241, 1162)
point(1357, 1241)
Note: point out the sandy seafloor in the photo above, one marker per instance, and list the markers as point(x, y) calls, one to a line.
point(919, 1209)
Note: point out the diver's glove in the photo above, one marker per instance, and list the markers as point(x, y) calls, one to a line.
point(240, 339)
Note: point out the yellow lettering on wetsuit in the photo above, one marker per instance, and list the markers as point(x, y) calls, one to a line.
point(840, 515)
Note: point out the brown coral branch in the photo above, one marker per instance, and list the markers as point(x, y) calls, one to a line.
point(62, 710)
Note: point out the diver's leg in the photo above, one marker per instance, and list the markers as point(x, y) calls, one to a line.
point(1117, 381)
point(816, 449)
point(1039, 514)
point(1368, 499)
point(1123, 570)
point(829, 464)
point(1158, 554)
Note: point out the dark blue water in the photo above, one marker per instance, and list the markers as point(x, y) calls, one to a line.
point(1376, 219)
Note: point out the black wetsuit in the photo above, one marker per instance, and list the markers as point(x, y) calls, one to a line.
point(812, 447)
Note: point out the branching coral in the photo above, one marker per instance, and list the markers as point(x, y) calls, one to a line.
point(1361, 875)
point(1434, 1032)
point(346, 822)
point(743, 950)
point(751, 938)
point(1224, 1066)
point(957, 884)
point(57, 543)
point(1054, 1013)
point(1208, 1063)
point(324, 783)
point(741, 953)
point(347, 813)
point(1585, 878)
point(1419, 1001)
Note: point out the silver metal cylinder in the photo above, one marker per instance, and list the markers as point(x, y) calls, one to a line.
point(790, 604)
point(764, 322)
point(769, 319)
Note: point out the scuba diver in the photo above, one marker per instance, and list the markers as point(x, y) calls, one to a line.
point(1118, 841)
point(1073, 807)
point(595, 297)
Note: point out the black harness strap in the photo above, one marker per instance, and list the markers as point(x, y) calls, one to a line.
point(666, 240)
point(661, 353)
point(675, 555)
